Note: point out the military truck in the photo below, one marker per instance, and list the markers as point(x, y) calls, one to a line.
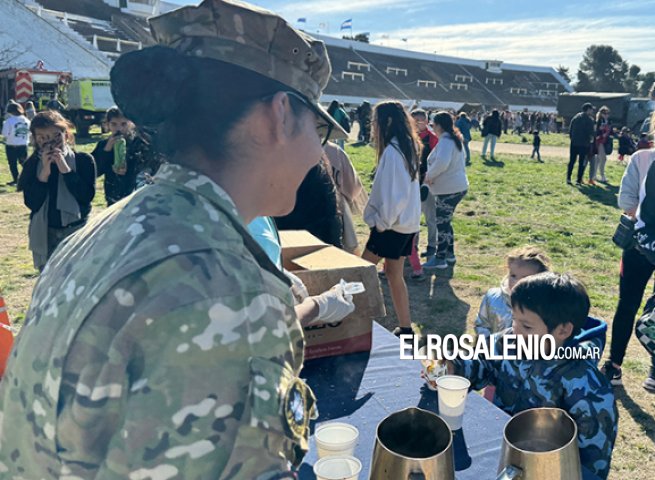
point(88, 100)
point(625, 110)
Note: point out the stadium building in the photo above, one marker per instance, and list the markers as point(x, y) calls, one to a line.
point(361, 71)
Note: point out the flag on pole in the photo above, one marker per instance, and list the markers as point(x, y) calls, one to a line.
point(302, 20)
point(348, 24)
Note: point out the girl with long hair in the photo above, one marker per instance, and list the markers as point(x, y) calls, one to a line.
point(393, 211)
point(603, 141)
point(446, 177)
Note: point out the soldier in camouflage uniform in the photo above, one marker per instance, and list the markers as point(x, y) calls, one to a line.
point(161, 343)
point(560, 305)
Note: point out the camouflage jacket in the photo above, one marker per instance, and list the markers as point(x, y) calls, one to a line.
point(160, 344)
point(495, 313)
point(576, 386)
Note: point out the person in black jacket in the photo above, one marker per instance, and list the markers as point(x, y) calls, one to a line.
point(491, 131)
point(581, 131)
point(58, 185)
point(364, 118)
point(316, 208)
point(123, 175)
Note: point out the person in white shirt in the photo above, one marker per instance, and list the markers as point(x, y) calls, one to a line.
point(16, 130)
point(446, 177)
point(393, 211)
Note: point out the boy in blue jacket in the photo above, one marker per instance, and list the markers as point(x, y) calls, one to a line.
point(554, 304)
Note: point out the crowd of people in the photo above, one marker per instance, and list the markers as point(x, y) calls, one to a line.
point(164, 334)
point(592, 140)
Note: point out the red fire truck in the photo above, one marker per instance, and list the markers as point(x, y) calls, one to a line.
point(36, 84)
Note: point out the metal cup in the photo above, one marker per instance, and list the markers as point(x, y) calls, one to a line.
point(540, 444)
point(413, 444)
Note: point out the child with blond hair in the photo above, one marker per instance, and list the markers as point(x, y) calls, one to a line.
point(495, 313)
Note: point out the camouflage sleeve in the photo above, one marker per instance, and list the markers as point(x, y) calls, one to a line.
point(590, 402)
point(480, 372)
point(209, 397)
point(210, 383)
point(483, 326)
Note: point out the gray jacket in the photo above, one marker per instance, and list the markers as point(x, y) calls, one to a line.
point(633, 178)
point(495, 313)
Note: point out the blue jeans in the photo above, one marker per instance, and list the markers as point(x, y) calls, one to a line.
point(489, 138)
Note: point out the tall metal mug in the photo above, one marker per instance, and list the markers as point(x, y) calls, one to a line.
point(413, 444)
point(540, 444)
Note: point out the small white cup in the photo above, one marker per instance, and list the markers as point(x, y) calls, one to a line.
point(452, 391)
point(337, 468)
point(336, 439)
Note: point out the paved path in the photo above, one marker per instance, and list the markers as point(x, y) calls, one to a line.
point(524, 149)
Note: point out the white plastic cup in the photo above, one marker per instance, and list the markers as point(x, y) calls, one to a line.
point(336, 439)
point(337, 468)
point(452, 391)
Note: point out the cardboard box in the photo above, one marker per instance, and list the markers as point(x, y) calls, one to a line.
point(298, 243)
point(320, 267)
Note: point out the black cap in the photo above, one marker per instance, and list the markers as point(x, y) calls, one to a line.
point(587, 106)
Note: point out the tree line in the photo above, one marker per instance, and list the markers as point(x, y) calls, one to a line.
point(602, 69)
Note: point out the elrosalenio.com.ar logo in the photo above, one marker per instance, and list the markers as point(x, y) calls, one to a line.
point(510, 347)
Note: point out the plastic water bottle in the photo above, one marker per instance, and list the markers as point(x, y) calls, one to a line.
point(120, 154)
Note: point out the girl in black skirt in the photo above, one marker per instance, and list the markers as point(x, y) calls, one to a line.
point(394, 208)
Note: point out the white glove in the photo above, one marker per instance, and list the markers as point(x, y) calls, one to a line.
point(298, 289)
point(334, 305)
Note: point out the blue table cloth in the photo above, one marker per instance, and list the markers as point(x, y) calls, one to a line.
point(362, 389)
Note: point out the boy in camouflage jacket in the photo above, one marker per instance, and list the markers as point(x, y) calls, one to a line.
point(548, 303)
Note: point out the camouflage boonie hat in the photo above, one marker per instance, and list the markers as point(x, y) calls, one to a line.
point(253, 38)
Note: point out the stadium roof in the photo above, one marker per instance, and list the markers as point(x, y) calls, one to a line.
point(367, 47)
point(34, 38)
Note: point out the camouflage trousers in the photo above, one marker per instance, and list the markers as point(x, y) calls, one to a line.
point(446, 205)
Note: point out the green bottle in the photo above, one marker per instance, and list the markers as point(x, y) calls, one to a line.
point(120, 153)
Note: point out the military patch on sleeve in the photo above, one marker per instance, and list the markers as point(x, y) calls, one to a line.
point(296, 408)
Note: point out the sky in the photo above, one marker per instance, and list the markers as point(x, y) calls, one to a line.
point(543, 32)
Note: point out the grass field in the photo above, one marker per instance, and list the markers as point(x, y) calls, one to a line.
point(511, 202)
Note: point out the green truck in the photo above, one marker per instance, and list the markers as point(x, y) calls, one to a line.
point(88, 100)
point(625, 110)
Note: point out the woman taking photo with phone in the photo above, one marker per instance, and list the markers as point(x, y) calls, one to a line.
point(58, 185)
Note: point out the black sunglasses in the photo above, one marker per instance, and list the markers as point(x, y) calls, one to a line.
point(323, 127)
